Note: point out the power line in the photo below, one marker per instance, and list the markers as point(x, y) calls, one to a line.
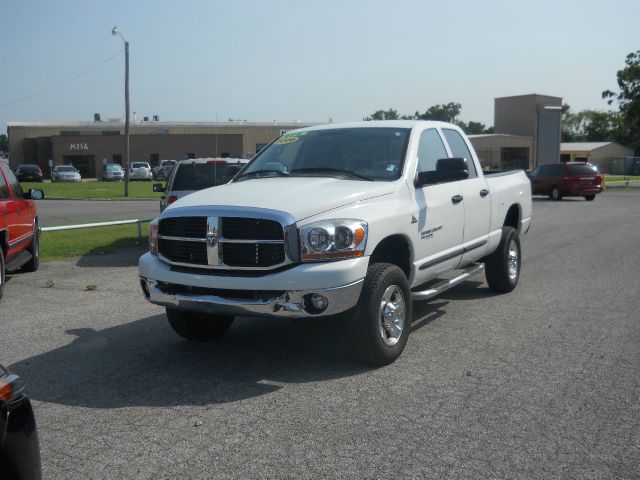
point(61, 83)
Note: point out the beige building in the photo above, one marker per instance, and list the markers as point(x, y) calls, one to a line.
point(503, 152)
point(535, 116)
point(87, 145)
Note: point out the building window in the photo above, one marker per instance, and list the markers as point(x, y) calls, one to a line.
point(565, 157)
point(154, 159)
point(117, 158)
point(191, 155)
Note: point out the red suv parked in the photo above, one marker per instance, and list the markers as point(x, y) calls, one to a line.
point(570, 179)
point(19, 232)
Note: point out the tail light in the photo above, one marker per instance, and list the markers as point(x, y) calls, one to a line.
point(153, 236)
point(171, 199)
point(11, 388)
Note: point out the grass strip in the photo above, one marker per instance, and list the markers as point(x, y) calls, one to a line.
point(90, 241)
point(83, 190)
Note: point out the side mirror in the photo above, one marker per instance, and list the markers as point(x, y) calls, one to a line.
point(34, 194)
point(447, 170)
point(157, 187)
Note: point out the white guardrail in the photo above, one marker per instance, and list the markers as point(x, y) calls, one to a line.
point(138, 221)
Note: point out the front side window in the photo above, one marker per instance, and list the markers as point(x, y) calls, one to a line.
point(430, 150)
point(460, 149)
point(14, 184)
point(347, 153)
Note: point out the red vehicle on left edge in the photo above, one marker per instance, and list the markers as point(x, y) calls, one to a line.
point(19, 229)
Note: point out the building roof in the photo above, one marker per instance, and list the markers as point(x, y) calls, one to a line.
point(498, 135)
point(583, 146)
point(120, 123)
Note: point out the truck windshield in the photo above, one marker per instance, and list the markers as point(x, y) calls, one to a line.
point(348, 153)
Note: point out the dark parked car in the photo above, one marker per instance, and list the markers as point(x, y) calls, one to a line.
point(19, 446)
point(570, 179)
point(29, 173)
point(195, 174)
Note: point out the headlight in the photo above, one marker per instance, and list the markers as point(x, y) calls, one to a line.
point(153, 236)
point(333, 239)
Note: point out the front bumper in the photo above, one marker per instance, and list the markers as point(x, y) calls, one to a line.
point(286, 293)
point(294, 304)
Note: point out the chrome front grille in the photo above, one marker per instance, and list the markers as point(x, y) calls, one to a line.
point(224, 242)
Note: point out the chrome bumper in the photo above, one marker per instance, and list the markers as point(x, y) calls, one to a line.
point(293, 304)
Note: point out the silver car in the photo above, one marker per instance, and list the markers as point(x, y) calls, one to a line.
point(140, 171)
point(112, 171)
point(195, 174)
point(65, 173)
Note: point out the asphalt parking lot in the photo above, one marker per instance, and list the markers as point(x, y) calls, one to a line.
point(543, 382)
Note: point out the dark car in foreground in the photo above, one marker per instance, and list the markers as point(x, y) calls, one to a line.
point(570, 179)
point(29, 173)
point(19, 446)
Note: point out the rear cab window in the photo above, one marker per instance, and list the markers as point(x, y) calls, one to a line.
point(459, 149)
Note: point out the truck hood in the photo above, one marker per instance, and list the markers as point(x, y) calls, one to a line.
point(302, 197)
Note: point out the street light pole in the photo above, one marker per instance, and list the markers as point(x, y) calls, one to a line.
point(115, 31)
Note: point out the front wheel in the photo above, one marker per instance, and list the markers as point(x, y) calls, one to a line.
point(33, 264)
point(199, 327)
point(2, 274)
point(502, 267)
point(379, 324)
point(589, 198)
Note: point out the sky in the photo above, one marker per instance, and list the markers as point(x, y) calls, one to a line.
point(305, 60)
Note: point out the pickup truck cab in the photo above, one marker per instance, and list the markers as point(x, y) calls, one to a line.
point(19, 230)
point(352, 219)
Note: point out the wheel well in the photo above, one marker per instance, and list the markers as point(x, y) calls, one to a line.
point(393, 249)
point(513, 217)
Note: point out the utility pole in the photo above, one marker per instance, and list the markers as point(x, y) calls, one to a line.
point(115, 31)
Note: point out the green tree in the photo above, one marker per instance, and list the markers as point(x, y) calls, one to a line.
point(4, 143)
point(590, 125)
point(443, 113)
point(389, 114)
point(628, 99)
point(473, 128)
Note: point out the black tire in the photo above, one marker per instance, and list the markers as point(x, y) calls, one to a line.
point(589, 198)
point(33, 264)
point(555, 194)
point(372, 341)
point(502, 267)
point(198, 327)
point(2, 273)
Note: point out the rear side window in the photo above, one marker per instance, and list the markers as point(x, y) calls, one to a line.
point(196, 176)
point(459, 149)
point(4, 189)
point(582, 170)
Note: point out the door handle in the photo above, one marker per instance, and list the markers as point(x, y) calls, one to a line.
point(484, 193)
point(456, 199)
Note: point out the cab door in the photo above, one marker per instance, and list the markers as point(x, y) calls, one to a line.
point(19, 214)
point(9, 216)
point(438, 228)
point(476, 198)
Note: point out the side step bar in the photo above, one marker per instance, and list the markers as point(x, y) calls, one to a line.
point(470, 271)
point(18, 261)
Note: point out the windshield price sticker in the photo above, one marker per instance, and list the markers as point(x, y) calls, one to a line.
point(290, 138)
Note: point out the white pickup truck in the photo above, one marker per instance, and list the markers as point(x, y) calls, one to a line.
point(356, 219)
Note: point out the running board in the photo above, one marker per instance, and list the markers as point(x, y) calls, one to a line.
point(470, 271)
point(18, 261)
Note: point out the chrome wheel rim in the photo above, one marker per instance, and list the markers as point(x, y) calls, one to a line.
point(392, 315)
point(513, 260)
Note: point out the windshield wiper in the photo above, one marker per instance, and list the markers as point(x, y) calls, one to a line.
point(257, 174)
point(331, 171)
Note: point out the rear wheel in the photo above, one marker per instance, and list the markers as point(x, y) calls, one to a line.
point(33, 264)
point(199, 327)
point(589, 198)
point(502, 267)
point(555, 194)
point(379, 325)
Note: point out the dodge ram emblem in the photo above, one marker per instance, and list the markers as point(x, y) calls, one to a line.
point(212, 238)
